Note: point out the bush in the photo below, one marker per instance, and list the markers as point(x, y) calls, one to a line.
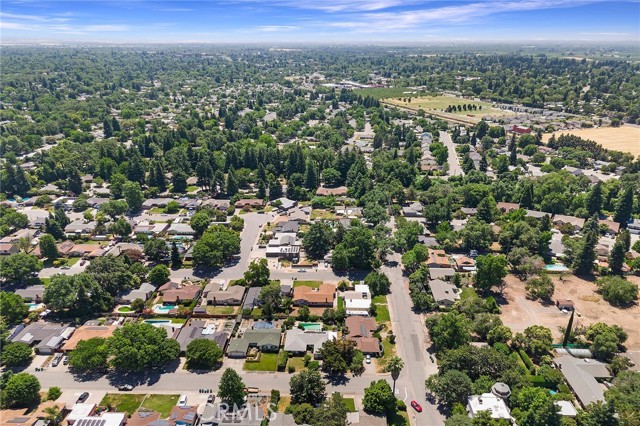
point(525, 358)
point(291, 369)
point(617, 290)
point(275, 399)
point(314, 366)
point(281, 362)
point(54, 393)
point(401, 405)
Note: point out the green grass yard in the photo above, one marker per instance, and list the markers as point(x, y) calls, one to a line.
point(380, 299)
point(351, 404)
point(297, 362)
point(399, 418)
point(160, 403)
point(389, 352)
point(222, 310)
point(268, 362)
point(340, 302)
point(382, 314)
point(126, 402)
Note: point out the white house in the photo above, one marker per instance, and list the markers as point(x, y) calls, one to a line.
point(358, 301)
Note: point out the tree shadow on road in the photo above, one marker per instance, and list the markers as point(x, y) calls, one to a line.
point(336, 379)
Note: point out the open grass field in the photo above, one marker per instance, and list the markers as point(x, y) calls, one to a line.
point(160, 403)
point(590, 308)
point(440, 103)
point(625, 138)
point(387, 92)
point(128, 403)
point(268, 362)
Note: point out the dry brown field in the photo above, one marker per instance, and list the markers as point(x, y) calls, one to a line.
point(522, 312)
point(625, 138)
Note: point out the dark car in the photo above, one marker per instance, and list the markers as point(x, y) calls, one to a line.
point(125, 388)
point(83, 397)
point(416, 406)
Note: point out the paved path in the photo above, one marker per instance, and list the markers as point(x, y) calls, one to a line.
point(454, 162)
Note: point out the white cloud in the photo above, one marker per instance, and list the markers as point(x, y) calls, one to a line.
point(105, 28)
point(276, 28)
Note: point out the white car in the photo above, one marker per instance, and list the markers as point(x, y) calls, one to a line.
point(367, 359)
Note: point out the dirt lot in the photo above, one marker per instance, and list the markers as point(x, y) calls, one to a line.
point(522, 312)
point(625, 138)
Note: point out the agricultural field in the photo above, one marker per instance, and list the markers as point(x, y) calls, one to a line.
point(625, 138)
point(440, 104)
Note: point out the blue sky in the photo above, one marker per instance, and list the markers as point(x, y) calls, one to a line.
point(320, 21)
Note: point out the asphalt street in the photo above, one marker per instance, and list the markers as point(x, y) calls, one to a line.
point(454, 162)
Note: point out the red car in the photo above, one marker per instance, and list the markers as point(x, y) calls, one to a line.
point(416, 406)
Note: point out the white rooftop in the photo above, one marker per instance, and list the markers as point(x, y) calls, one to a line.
point(488, 402)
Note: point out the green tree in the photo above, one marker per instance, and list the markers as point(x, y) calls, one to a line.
point(624, 207)
point(120, 227)
point(203, 354)
point(307, 387)
point(379, 398)
point(394, 366)
point(617, 290)
point(114, 208)
point(16, 354)
point(378, 283)
point(217, 245)
point(179, 182)
point(48, 247)
point(594, 200)
point(139, 346)
point(616, 257)
point(598, 414)
point(112, 273)
point(20, 390)
point(318, 240)
point(586, 254)
point(449, 330)
point(476, 235)
point(625, 397)
point(257, 273)
point(134, 196)
point(200, 222)
point(53, 393)
point(158, 275)
point(541, 287)
point(491, 270)
point(374, 213)
point(487, 210)
point(156, 249)
point(89, 355)
point(17, 267)
point(12, 307)
point(231, 388)
point(450, 387)
point(537, 340)
point(535, 408)
point(407, 233)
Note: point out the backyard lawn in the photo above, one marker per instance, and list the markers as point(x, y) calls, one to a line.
point(268, 362)
point(312, 284)
point(128, 403)
point(382, 314)
point(340, 302)
point(221, 310)
point(380, 299)
point(160, 403)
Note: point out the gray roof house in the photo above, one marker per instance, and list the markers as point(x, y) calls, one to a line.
point(289, 226)
point(284, 204)
point(444, 293)
point(80, 228)
point(33, 293)
point(267, 340)
point(582, 375)
point(252, 299)
point(198, 329)
point(300, 341)
point(143, 292)
point(44, 337)
point(181, 229)
point(441, 273)
point(231, 296)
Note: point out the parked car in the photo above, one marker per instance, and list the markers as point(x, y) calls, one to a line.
point(56, 360)
point(65, 360)
point(83, 397)
point(125, 388)
point(367, 359)
point(416, 406)
point(211, 398)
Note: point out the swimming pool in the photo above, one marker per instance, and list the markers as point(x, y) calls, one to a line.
point(35, 306)
point(163, 309)
point(556, 267)
point(157, 321)
point(311, 326)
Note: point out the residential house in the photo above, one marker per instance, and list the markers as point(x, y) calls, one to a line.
point(634, 226)
point(308, 296)
point(32, 293)
point(565, 304)
point(198, 329)
point(96, 202)
point(299, 341)
point(143, 292)
point(469, 211)
point(560, 219)
point(465, 264)
point(361, 330)
point(232, 296)
point(180, 294)
point(8, 248)
point(222, 205)
point(80, 411)
point(611, 226)
point(338, 191)
point(582, 375)
point(252, 299)
point(438, 259)
point(520, 130)
point(80, 228)
point(412, 210)
point(348, 211)
point(507, 207)
point(444, 293)
point(37, 218)
point(45, 337)
point(300, 215)
point(488, 402)
point(156, 203)
point(284, 204)
point(150, 229)
point(266, 340)
point(146, 418)
point(183, 416)
point(248, 203)
point(288, 227)
point(87, 332)
point(536, 214)
point(181, 229)
point(284, 246)
point(358, 301)
point(441, 273)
